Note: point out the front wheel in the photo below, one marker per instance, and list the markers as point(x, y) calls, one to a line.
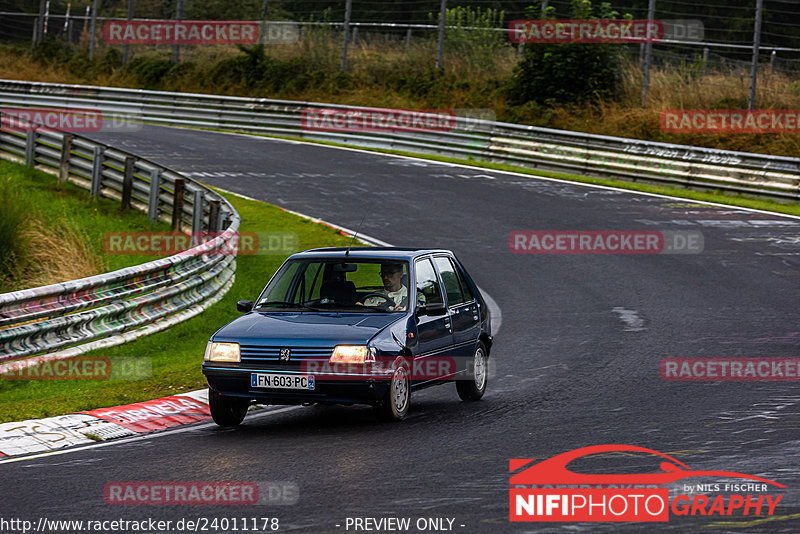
point(472, 388)
point(227, 411)
point(394, 405)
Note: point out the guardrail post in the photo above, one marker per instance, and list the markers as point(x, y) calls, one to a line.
point(127, 183)
point(66, 150)
point(97, 171)
point(197, 217)
point(213, 216)
point(177, 204)
point(30, 147)
point(155, 189)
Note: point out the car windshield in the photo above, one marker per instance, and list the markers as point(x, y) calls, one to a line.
point(344, 285)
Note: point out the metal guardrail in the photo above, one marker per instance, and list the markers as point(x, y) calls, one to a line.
point(528, 146)
point(43, 319)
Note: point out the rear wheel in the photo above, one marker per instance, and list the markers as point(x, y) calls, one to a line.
point(227, 411)
point(395, 403)
point(474, 385)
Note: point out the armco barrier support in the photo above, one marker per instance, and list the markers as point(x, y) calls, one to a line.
point(533, 147)
point(130, 300)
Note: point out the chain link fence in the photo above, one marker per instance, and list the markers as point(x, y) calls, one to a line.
point(475, 35)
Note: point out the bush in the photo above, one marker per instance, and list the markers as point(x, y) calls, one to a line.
point(568, 73)
point(148, 71)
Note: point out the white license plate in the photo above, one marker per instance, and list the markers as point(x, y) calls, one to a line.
point(281, 381)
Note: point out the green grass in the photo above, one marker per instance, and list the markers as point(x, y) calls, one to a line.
point(67, 208)
point(176, 353)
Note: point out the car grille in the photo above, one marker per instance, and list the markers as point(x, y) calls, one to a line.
point(271, 355)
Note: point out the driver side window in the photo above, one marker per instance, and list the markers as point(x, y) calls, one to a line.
point(427, 283)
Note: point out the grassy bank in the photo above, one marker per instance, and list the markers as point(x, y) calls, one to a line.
point(176, 353)
point(50, 234)
point(384, 73)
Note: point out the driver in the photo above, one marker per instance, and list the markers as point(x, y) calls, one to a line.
point(393, 287)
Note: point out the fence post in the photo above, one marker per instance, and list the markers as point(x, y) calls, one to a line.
point(46, 17)
point(648, 54)
point(197, 217)
point(772, 61)
point(213, 216)
point(408, 38)
point(754, 66)
point(66, 150)
point(262, 37)
point(347, 8)
point(440, 43)
point(126, 52)
point(30, 147)
point(155, 189)
point(97, 171)
point(93, 28)
point(177, 204)
point(176, 49)
point(37, 25)
point(705, 60)
point(127, 183)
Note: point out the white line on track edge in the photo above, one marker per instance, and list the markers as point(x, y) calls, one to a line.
point(155, 434)
point(512, 173)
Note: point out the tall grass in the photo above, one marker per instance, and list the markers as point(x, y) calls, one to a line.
point(50, 235)
point(13, 214)
point(386, 71)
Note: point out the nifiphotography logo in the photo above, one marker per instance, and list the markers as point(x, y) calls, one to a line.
point(549, 491)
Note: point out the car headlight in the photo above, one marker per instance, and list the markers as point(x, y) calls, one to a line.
point(222, 352)
point(352, 354)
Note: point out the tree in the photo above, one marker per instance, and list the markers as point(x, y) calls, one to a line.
point(567, 72)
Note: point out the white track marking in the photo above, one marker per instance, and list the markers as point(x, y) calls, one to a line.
point(252, 415)
point(512, 173)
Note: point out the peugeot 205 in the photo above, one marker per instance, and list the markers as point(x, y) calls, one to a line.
point(345, 326)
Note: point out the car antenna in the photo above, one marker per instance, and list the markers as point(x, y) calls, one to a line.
point(347, 252)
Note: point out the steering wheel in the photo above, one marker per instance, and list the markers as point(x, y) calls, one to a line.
point(383, 306)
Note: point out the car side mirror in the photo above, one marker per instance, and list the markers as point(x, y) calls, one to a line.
point(432, 309)
point(244, 306)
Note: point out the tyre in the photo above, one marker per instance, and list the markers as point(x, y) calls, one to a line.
point(474, 385)
point(395, 403)
point(227, 411)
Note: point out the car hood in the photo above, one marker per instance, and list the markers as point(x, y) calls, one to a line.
point(307, 329)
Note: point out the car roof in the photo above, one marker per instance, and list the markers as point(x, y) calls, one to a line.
point(392, 253)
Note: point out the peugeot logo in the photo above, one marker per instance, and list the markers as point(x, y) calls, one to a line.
point(286, 354)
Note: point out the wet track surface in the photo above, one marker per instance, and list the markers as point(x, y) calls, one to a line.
point(576, 360)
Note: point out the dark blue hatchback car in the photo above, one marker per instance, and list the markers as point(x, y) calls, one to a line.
point(347, 326)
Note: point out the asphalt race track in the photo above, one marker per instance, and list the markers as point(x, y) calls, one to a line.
point(576, 360)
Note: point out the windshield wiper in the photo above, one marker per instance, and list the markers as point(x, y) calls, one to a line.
point(282, 304)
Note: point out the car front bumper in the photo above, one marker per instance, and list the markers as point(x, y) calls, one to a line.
point(350, 389)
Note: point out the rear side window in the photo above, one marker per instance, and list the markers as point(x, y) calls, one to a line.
point(452, 286)
point(464, 287)
point(427, 283)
